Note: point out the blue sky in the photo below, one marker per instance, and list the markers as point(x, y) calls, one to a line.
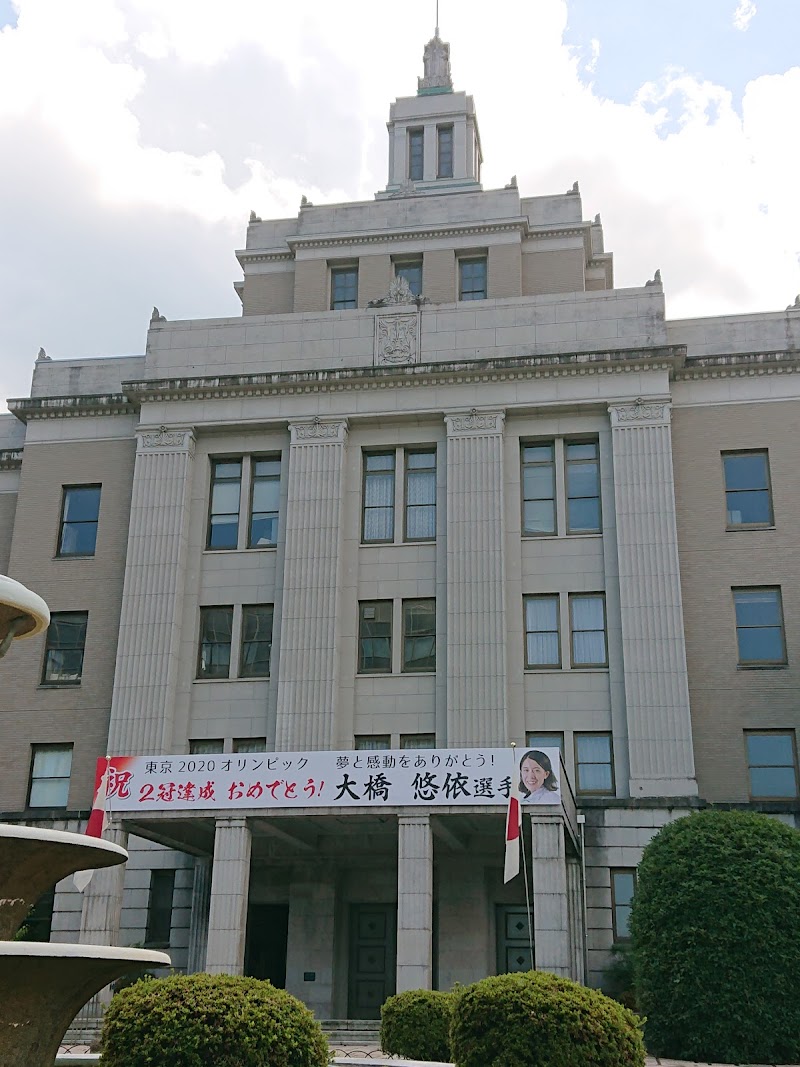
point(137, 135)
point(640, 39)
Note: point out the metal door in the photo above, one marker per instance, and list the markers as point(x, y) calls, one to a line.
point(372, 958)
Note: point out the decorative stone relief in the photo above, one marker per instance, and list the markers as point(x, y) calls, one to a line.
point(436, 63)
point(168, 440)
point(317, 430)
point(475, 422)
point(654, 414)
point(396, 340)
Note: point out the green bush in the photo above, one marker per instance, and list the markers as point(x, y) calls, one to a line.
point(539, 1020)
point(716, 939)
point(201, 1020)
point(416, 1025)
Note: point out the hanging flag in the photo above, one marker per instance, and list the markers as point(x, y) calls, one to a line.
point(98, 817)
point(513, 829)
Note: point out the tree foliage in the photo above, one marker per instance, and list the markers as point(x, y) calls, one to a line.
point(416, 1025)
point(716, 939)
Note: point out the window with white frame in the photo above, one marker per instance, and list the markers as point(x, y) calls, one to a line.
point(51, 766)
point(416, 497)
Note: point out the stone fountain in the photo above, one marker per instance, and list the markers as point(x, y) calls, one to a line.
point(43, 985)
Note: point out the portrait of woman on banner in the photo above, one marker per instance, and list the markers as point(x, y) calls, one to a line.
point(537, 781)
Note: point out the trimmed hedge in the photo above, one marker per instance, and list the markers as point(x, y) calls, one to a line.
point(416, 1025)
point(715, 928)
point(200, 1020)
point(539, 1020)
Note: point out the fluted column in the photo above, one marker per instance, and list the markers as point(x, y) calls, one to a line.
point(101, 913)
point(230, 886)
point(476, 627)
point(308, 671)
point(551, 934)
point(414, 903)
point(198, 921)
point(149, 632)
point(653, 647)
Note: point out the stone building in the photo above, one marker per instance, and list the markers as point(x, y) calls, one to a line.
point(441, 487)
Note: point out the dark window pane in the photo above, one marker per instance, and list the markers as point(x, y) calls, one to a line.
point(577, 450)
point(582, 479)
point(584, 515)
point(223, 531)
point(595, 778)
point(472, 279)
point(416, 150)
point(773, 782)
point(344, 288)
point(764, 643)
point(752, 506)
point(256, 640)
point(746, 471)
point(81, 508)
point(445, 145)
point(82, 503)
point(622, 917)
point(757, 607)
point(545, 741)
point(773, 750)
point(419, 635)
point(159, 909)
point(624, 885)
point(539, 517)
point(593, 748)
point(215, 642)
point(375, 637)
point(412, 272)
point(223, 515)
point(64, 647)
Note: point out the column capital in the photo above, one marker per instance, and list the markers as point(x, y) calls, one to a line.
point(413, 820)
point(475, 422)
point(641, 412)
point(165, 439)
point(318, 431)
point(230, 822)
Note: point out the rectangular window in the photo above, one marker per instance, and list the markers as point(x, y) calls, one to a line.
point(772, 764)
point(759, 626)
point(256, 641)
point(249, 744)
point(375, 637)
point(748, 497)
point(416, 155)
point(378, 519)
point(159, 907)
point(444, 137)
point(223, 512)
point(411, 270)
point(538, 489)
point(417, 741)
point(623, 886)
point(50, 770)
point(206, 746)
point(472, 279)
point(587, 620)
point(80, 511)
point(420, 519)
point(64, 647)
point(214, 659)
point(344, 288)
point(542, 640)
point(264, 497)
point(419, 635)
point(594, 768)
point(548, 740)
point(583, 486)
point(372, 742)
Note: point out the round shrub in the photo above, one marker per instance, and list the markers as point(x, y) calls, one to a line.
point(716, 939)
point(416, 1025)
point(201, 1020)
point(539, 1020)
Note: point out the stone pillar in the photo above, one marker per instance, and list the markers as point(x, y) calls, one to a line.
point(310, 941)
point(476, 624)
point(198, 922)
point(577, 923)
point(100, 917)
point(230, 884)
point(653, 647)
point(149, 630)
point(308, 668)
point(414, 903)
point(550, 905)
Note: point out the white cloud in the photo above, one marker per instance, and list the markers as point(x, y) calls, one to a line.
point(744, 14)
point(137, 135)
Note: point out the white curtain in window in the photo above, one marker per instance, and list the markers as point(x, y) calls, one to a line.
point(52, 763)
point(588, 637)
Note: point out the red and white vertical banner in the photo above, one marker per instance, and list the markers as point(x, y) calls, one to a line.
point(98, 817)
point(513, 826)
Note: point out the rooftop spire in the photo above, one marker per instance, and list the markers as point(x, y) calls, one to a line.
point(436, 61)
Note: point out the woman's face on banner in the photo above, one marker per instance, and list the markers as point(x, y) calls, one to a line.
point(533, 776)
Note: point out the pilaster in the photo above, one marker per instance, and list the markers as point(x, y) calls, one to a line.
point(149, 631)
point(653, 646)
point(414, 903)
point(230, 885)
point(101, 913)
point(476, 626)
point(551, 931)
point(310, 943)
point(308, 670)
point(198, 922)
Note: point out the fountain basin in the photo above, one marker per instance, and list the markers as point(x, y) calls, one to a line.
point(32, 860)
point(45, 985)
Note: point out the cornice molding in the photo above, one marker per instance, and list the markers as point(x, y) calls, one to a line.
point(328, 240)
point(244, 255)
point(63, 407)
point(740, 365)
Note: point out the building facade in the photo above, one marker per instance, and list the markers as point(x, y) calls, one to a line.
point(440, 487)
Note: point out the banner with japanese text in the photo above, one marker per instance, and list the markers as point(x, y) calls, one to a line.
point(425, 777)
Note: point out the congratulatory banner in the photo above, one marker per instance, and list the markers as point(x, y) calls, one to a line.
point(425, 777)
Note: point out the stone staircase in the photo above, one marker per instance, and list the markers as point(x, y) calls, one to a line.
point(344, 1032)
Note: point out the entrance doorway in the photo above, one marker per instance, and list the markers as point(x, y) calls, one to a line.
point(373, 932)
point(265, 945)
point(513, 942)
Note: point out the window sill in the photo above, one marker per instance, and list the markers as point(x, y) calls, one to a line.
point(762, 666)
point(395, 674)
point(77, 555)
point(755, 528)
point(210, 681)
point(238, 551)
point(59, 685)
point(779, 800)
point(566, 670)
point(560, 537)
